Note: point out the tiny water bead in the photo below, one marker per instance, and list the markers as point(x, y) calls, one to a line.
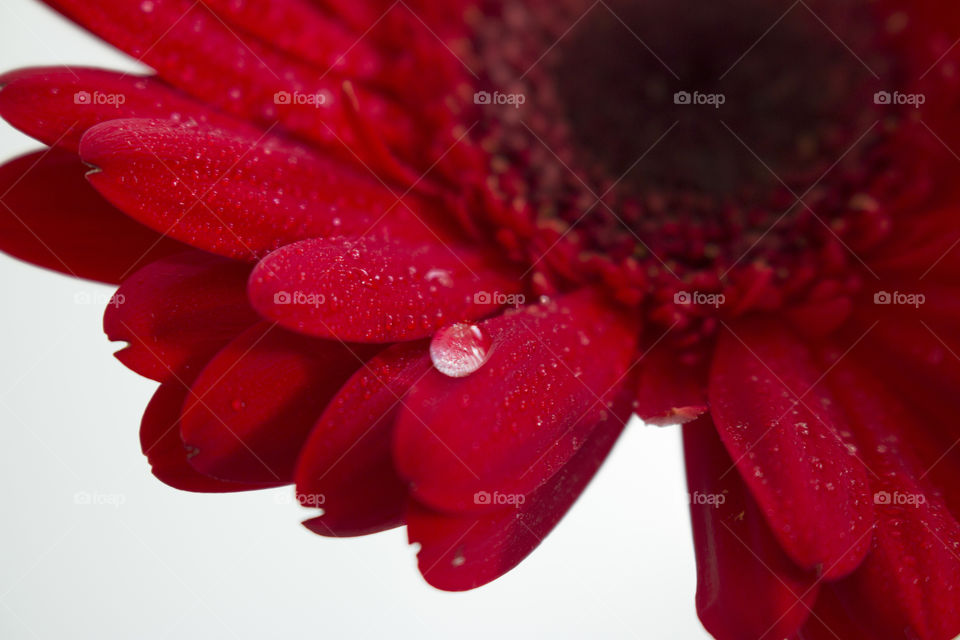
point(460, 349)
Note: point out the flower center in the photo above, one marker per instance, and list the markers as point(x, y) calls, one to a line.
point(661, 145)
point(696, 83)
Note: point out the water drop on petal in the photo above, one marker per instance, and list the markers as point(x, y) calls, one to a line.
point(440, 276)
point(460, 349)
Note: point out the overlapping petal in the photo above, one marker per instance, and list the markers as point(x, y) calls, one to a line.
point(460, 552)
point(791, 445)
point(57, 105)
point(192, 48)
point(169, 458)
point(514, 422)
point(51, 217)
point(374, 290)
point(236, 195)
point(908, 582)
point(252, 407)
point(177, 312)
point(346, 464)
point(738, 557)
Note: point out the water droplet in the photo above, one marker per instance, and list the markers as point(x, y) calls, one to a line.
point(440, 276)
point(460, 349)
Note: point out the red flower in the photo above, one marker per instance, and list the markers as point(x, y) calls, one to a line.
point(424, 259)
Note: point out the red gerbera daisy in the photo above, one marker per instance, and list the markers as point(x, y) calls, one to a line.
point(424, 260)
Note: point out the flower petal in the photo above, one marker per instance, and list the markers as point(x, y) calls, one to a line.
point(194, 49)
point(347, 457)
point(254, 404)
point(374, 290)
point(57, 105)
point(50, 216)
point(747, 587)
point(232, 194)
point(669, 391)
point(787, 440)
point(160, 441)
point(460, 552)
point(830, 620)
point(910, 581)
point(510, 425)
point(299, 28)
point(178, 312)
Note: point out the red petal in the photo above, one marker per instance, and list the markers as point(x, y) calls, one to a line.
point(346, 459)
point(811, 487)
point(463, 552)
point(921, 347)
point(160, 441)
point(233, 194)
point(178, 312)
point(747, 587)
point(669, 391)
point(372, 290)
point(299, 28)
point(192, 48)
point(830, 620)
point(511, 424)
point(252, 407)
point(911, 579)
point(56, 105)
point(51, 217)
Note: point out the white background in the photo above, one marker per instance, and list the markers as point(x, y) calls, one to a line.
point(170, 564)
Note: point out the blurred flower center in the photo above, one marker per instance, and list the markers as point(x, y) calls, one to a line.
point(685, 133)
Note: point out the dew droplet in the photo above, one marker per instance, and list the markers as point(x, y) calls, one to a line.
point(460, 349)
point(440, 276)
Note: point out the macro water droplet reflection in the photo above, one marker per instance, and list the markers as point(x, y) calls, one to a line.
point(460, 349)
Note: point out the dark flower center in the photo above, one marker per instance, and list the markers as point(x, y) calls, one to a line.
point(685, 141)
point(706, 74)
